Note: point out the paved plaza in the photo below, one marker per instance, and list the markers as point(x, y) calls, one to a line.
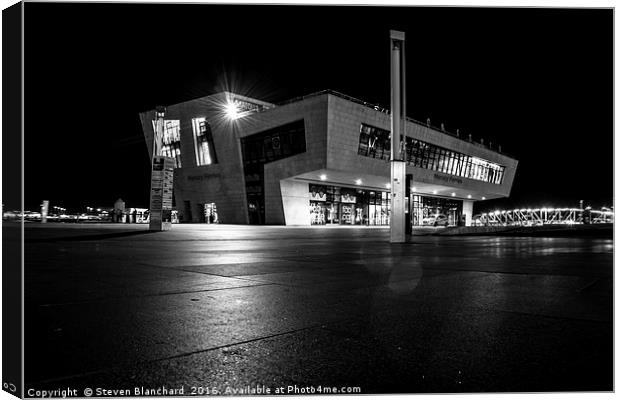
point(232, 307)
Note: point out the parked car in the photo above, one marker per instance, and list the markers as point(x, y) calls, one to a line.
point(436, 220)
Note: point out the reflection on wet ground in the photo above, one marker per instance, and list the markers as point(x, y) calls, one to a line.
point(278, 306)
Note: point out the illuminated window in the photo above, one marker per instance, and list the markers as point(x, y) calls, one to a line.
point(171, 146)
point(375, 142)
point(172, 141)
point(203, 142)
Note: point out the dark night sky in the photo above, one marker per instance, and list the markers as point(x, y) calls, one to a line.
point(537, 81)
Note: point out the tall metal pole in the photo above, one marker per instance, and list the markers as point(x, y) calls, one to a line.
point(397, 161)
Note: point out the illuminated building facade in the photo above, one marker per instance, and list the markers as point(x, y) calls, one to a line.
point(318, 159)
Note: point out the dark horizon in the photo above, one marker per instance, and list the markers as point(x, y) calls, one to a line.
point(537, 81)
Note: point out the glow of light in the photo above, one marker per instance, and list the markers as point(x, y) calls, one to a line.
point(358, 181)
point(232, 111)
point(413, 189)
point(453, 194)
point(484, 198)
point(388, 186)
point(323, 177)
point(469, 196)
point(434, 192)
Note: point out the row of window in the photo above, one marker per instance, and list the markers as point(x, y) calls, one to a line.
point(265, 147)
point(375, 142)
point(203, 141)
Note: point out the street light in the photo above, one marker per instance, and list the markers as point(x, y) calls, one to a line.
point(397, 130)
point(232, 110)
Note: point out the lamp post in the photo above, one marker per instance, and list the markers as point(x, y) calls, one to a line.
point(397, 161)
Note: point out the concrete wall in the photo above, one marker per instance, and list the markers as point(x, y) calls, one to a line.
point(224, 183)
point(314, 113)
point(295, 202)
point(468, 210)
point(220, 183)
point(344, 119)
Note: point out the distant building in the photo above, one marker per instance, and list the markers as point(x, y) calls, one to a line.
point(318, 159)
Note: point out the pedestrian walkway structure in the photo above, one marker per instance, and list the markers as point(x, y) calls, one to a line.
point(544, 216)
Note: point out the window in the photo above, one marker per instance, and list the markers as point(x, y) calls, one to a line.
point(172, 141)
point(375, 143)
point(203, 142)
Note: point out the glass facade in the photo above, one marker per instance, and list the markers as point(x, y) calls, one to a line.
point(375, 142)
point(423, 209)
point(262, 148)
point(348, 206)
point(203, 142)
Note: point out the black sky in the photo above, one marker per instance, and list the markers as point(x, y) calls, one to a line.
point(537, 81)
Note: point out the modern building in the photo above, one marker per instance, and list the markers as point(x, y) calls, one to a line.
point(318, 159)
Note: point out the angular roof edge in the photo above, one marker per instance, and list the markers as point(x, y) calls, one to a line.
point(387, 111)
point(375, 107)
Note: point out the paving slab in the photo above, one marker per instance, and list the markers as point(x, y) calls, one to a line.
point(236, 306)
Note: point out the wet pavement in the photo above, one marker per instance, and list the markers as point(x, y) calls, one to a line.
point(232, 307)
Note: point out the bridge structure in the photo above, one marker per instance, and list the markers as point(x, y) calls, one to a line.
point(543, 216)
